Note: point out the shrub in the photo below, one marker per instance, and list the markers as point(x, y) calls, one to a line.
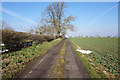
point(37, 38)
point(13, 40)
point(17, 60)
point(49, 38)
point(4, 64)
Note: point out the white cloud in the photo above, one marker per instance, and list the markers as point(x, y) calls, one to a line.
point(17, 15)
point(101, 15)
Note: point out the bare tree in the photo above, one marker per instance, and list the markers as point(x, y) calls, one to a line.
point(55, 17)
point(53, 21)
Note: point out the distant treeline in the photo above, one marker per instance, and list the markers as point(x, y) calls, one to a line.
point(97, 36)
point(13, 40)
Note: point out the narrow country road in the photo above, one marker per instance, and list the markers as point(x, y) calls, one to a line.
point(73, 66)
point(41, 68)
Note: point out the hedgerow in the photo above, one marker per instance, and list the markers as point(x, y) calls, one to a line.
point(13, 40)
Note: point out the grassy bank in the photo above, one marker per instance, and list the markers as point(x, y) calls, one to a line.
point(102, 62)
point(17, 60)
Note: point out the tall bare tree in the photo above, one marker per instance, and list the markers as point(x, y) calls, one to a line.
point(54, 21)
point(56, 18)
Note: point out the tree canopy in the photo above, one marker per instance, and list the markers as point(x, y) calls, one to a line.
point(54, 21)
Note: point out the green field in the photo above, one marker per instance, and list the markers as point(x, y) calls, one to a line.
point(104, 51)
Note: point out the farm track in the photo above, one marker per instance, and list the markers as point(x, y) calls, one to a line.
point(73, 66)
point(41, 67)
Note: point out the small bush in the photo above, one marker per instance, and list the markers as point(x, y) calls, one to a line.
point(17, 60)
point(3, 57)
point(4, 64)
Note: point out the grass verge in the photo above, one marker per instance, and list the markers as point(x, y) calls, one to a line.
point(17, 60)
point(57, 71)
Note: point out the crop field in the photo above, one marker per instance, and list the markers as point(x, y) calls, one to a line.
point(104, 51)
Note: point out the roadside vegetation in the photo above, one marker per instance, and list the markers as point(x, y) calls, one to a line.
point(15, 61)
point(26, 46)
point(103, 61)
point(58, 69)
point(14, 40)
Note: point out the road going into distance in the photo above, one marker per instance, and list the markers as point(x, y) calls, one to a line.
point(42, 66)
